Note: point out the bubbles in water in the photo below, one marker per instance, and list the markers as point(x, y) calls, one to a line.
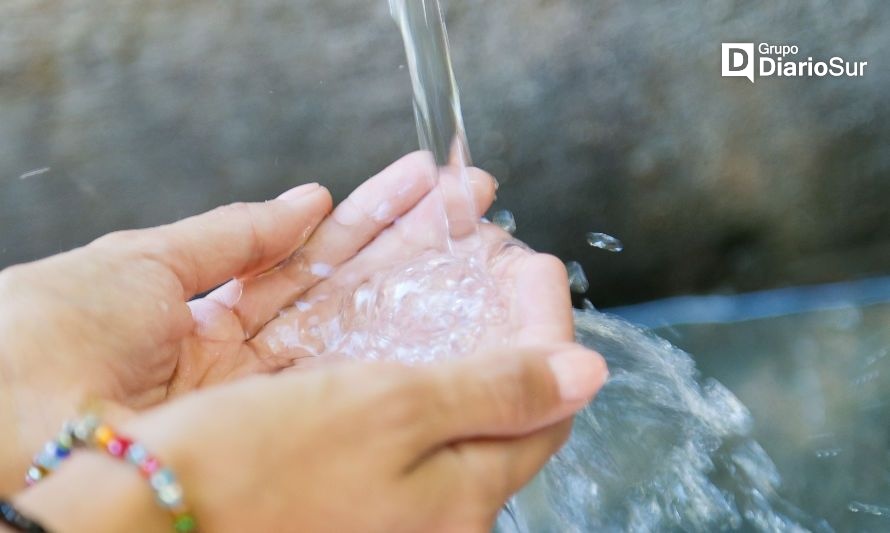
point(577, 279)
point(604, 242)
point(504, 220)
point(438, 306)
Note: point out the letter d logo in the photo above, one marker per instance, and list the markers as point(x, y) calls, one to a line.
point(738, 60)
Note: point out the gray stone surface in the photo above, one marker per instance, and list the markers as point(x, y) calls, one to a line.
point(596, 115)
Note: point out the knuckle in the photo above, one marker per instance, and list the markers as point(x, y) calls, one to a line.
point(241, 209)
point(117, 239)
point(247, 213)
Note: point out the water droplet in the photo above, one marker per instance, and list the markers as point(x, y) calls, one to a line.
point(876, 510)
point(35, 172)
point(504, 220)
point(577, 279)
point(588, 305)
point(604, 242)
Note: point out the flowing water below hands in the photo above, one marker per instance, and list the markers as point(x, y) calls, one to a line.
point(658, 450)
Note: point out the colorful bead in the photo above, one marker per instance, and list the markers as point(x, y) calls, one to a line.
point(149, 466)
point(184, 523)
point(47, 459)
point(83, 429)
point(118, 446)
point(170, 496)
point(34, 475)
point(65, 439)
point(162, 478)
point(136, 454)
point(103, 435)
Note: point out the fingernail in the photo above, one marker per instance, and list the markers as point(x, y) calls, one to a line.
point(298, 192)
point(579, 373)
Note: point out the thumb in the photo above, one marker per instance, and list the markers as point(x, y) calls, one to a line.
point(511, 394)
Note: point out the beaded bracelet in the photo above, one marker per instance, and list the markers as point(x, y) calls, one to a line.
point(10, 516)
point(90, 432)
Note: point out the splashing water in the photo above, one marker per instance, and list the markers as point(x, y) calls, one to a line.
point(577, 278)
point(657, 450)
point(604, 241)
point(504, 220)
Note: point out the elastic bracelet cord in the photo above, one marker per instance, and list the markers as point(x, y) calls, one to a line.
point(10, 516)
point(90, 432)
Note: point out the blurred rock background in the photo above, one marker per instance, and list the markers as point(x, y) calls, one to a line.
point(595, 115)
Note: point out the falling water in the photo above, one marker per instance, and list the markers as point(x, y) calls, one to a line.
point(437, 111)
point(577, 278)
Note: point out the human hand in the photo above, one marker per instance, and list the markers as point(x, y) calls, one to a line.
point(371, 447)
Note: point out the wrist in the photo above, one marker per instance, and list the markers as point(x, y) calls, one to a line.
point(97, 493)
point(29, 417)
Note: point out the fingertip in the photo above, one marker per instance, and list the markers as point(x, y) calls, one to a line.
point(484, 187)
point(327, 198)
point(308, 195)
point(579, 373)
point(550, 265)
point(298, 192)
